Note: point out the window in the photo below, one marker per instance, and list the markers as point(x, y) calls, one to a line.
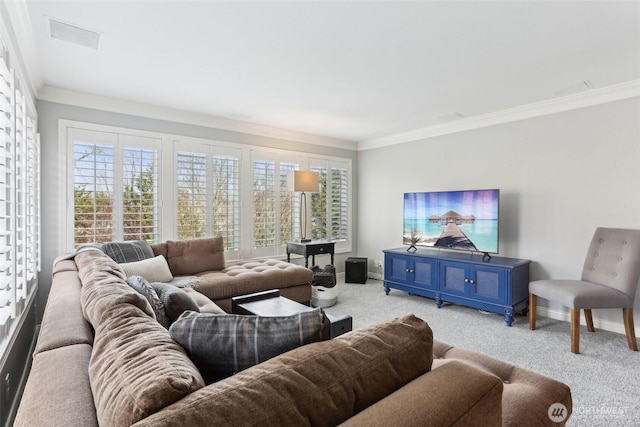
point(330, 217)
point(19, 200)
point(226, 199)
point(115, 187)
point(274, 206)
point(208, 194)
point(213, 188)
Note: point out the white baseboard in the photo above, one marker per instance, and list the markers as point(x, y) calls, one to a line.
point(376, 276)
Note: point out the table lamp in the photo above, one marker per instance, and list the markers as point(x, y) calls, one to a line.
point(304, 182)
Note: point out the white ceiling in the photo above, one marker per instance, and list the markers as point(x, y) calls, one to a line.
point(353, 70)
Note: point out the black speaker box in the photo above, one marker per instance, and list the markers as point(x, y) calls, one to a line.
point(356, 270)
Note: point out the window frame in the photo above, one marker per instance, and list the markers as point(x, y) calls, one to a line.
point(169, 147)
point(119, 142)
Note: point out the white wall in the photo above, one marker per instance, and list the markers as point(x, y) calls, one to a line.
point(560, 175)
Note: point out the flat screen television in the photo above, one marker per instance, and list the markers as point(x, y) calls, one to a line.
point(463, 220)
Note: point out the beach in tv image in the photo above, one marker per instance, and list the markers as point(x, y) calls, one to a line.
point(465, 220)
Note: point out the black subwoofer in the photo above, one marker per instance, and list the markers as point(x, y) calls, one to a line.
point(355, 270)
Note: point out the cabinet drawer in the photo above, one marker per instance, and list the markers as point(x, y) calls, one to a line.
point(320, 248)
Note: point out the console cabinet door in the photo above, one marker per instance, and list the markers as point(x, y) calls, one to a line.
point(398, 268)
point(424, 273)
point(454, 278)
point(488, 284)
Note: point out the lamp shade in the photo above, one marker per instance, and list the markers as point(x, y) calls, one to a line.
point(304, 181)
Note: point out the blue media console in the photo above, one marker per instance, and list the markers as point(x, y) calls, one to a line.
point(498, 285)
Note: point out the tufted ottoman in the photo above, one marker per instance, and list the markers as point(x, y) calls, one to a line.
point(526, 395)
point(294, 281)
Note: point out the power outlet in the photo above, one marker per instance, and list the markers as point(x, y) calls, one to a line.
point(378, 263)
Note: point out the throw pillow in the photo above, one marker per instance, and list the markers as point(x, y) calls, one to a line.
point(221, 345)
point(175, 300)
point(143, 287)
point(153, 269)
point(136, 250)
point(195, 255)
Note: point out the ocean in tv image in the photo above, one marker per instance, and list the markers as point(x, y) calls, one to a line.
point(466, 220)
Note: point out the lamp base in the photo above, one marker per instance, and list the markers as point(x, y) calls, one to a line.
point(305, 240)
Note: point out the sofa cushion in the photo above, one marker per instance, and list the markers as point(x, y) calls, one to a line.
point(187, 257)
point(205, 305)
point(253, 276)
point(63, 323)
point(323, 383)
point(136, 250)
point(175, 300)
point(527, 395)
point(153, 269)
point(478, 400)
point(104, 286)
point(58, 372)
point(141, 285)
point(135, 368)
point(224, 345)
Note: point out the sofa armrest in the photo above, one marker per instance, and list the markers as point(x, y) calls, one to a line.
point(451, 394)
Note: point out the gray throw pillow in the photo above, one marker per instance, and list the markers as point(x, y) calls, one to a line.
point(221, 345)
point(136, 250)
point(175, 300)
point(141, 285)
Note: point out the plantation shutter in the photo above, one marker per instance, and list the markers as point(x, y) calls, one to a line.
point(115, 187)
point(264, 204)
point(331, 206)
point(19, 200)
point(273, 203)
point(32, 200)
point(93, 186)
point(226, 198)
point(319, 225)
point(140, 218)
point(7, 182)
point(339, 205)
point(191, 186)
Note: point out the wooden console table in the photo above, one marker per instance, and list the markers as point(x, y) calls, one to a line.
point(310, 249)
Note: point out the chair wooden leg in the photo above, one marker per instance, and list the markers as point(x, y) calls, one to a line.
point(532, 311)
point(589, 318)
point(575, 330)
point(627, 314)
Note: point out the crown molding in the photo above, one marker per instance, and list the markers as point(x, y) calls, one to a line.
point(86, 100)
point(585, 99)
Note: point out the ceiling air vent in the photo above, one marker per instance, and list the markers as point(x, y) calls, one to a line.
point(72, 34)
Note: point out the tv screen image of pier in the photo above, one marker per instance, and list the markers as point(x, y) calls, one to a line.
point(465, 220)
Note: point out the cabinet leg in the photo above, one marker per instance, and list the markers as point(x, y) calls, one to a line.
point(386, 288)
point(508, 316)
point(438, 301)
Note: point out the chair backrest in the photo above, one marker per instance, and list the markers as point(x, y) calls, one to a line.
point(613, 259)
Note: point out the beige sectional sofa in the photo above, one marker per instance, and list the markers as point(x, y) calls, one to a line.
point(103, 359)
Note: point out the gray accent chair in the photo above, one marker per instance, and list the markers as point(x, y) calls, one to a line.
point(609, 280)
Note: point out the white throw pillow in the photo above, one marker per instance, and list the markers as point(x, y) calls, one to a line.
point(153, 269)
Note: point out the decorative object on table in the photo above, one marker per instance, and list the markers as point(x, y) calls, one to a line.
point(324, 292)
point(304, 182)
